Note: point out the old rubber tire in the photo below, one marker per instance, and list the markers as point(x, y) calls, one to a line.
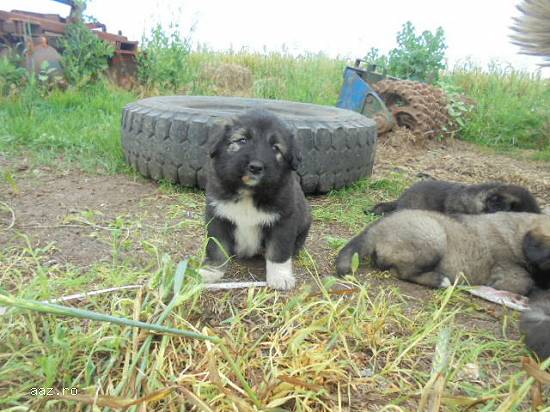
point(167, 138)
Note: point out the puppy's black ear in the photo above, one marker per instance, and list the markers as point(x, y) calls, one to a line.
point(497, 203)
point(217, 135)
point(294, 154)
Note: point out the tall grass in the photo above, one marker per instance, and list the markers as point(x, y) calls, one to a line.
point(80, 126)
point(309, 78)
point(318, 349)
point(83, 125)
point(512, 107)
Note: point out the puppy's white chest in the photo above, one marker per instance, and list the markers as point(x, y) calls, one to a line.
point(249, 222)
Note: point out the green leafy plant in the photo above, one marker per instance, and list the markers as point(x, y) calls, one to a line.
point(335, 242)
point(378, 59)
point(12, 78)
point(417, 57)
point(163, 59)
point(47, 79)
point(85, 56)
point(459, 107)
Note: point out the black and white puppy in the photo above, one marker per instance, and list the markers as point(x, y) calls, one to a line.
point(255, 204)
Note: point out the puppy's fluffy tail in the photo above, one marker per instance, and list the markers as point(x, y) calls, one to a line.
point(383, 208)
point(360, 245)
point(535, 324)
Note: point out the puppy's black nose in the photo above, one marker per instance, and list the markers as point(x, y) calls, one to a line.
point(255, 167)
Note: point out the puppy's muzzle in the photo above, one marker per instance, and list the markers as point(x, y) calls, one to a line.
point(254, 173)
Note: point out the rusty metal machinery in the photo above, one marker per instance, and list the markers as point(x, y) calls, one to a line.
point(37, 35)
point(419, 107)
point(389, 101)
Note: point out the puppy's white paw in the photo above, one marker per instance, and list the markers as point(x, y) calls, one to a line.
point(279, 275)
point(445, 283)
point(211, 274)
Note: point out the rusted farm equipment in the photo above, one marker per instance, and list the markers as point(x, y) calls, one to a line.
point(36, 37)
point(390, 101)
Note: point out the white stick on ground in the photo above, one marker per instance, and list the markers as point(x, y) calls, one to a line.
point(84, 295)
point(78, 296)
point(234, 285)
point(208, 286)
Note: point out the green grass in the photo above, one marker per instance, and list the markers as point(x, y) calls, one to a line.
point(77, 126)
point(313, 350)
point(512, 108)
point(308, 78)
point(347, 206)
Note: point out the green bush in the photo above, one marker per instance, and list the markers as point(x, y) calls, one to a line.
point(416, 57)
point(373, 56)
point(12, 77)
point(162, 61)
point(85, 56)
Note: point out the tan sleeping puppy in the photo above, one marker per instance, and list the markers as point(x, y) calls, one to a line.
point(504, 250)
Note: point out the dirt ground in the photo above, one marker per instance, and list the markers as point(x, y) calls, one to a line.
point(74, 212)
point(77, 214)
point(51, 206)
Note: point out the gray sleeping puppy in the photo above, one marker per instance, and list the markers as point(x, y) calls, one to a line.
point(451, 198)
point(507, 251)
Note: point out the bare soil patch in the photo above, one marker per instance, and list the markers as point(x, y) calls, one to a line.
point(43, 202)
point(76, 212)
